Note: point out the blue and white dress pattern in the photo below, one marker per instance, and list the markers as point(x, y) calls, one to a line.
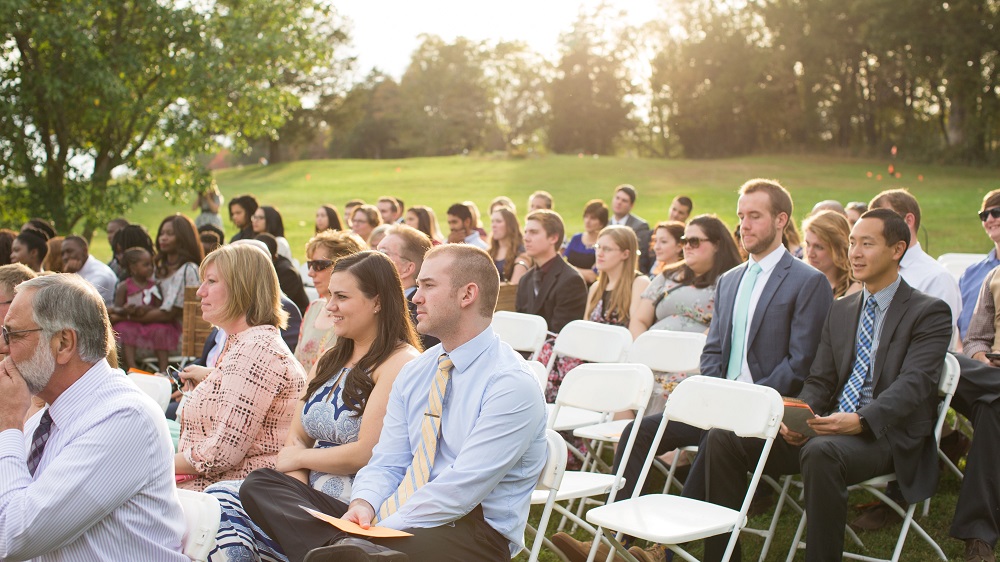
point(331, 423)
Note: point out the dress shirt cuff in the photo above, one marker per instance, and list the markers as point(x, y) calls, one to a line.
point(13, 459)
point(373, 498)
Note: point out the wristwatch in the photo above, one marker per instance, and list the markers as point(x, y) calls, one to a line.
point(865, 428)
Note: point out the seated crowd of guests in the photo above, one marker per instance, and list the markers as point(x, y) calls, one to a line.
point(293, 400)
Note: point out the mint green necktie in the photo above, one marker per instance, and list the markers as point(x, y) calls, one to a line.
point(740, 322)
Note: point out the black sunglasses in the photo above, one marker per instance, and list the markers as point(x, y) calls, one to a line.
point(8, 333)
point(319, 265)
point(994, 212)
point(692, 241)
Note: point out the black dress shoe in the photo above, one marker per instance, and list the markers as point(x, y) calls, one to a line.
point(352, 549)
point(875, 517)
point(978, 551)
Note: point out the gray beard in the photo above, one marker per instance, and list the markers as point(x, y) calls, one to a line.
point(38, 370)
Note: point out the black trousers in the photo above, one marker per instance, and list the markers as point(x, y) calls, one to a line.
point(272, 500)
point(676, 435)
point(828, 464)
point(977, 514)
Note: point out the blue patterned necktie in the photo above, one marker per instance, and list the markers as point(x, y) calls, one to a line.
point(849, 398)
point(38, 441)
point(740, 316)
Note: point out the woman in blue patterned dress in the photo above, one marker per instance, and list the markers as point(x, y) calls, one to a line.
point(332, 436)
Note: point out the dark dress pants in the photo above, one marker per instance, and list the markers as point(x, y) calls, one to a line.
point(272, 500)
point(676, 435)
point(828, 466)
point(977, 514)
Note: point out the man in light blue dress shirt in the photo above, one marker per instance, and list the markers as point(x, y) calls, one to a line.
point(91, 476)
point(489, 455)
point(971, 281)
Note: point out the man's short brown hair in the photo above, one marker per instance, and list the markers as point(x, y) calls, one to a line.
point(901, 201)
point(781, 200)
point(991, 199)
point(544, 196)
point(472, 265)
point(416, 244)
point(627, 190)
point(551, 222)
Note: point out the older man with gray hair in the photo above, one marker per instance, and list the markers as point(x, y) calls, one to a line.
point(91, 476)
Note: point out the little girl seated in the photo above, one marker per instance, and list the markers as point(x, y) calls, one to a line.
point(133, 299)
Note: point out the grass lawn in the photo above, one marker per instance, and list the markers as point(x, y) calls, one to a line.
point(949, 196)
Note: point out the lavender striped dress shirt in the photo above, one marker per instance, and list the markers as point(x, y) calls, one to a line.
point(104, 488)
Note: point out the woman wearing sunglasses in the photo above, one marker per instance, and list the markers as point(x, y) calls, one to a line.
point(681, 298)
point(316, 334)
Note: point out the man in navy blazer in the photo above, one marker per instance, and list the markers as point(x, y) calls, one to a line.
point(786, 305)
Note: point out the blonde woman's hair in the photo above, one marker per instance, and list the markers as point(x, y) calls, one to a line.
point(833, 229)
point(620, 299)
point(513, 242)
point(337, 243)
point(252, 283)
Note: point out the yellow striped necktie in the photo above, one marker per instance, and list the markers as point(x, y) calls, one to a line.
point(419, 471)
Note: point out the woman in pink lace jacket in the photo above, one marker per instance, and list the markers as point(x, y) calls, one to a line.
point(237, 418)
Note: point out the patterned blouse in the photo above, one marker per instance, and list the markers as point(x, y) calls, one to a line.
point(237, 419)
point(312, 342)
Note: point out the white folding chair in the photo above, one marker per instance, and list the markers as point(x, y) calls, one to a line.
point(605, 388)
point(748, 410)
point(950, 373)
point(202, 515)
point(523, 332)
point(957, 263)
point(593, 342)
point(548, 483)
point(156, 386)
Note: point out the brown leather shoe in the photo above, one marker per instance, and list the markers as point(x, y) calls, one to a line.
point(577, 551)
point(978, 551)
point(875, 517)
point(655, 553)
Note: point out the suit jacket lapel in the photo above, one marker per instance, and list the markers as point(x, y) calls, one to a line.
point(548, 282)
point(727, 309)
point(889, 324)
point(773, 282)
point(850, 338)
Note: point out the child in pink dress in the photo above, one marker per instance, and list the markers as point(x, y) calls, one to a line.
point(138, 294)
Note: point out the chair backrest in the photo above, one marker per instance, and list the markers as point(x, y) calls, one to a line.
point(540, 373)
point(592, 341)
point(668, 351)
point(606, 387)
point(748, 410)
point(951, 372)
point(202, 515)
point(157, 387)
point(194, 329)
point(957, 263)
point(523, 332)
point(507, 298)
point(555, 464)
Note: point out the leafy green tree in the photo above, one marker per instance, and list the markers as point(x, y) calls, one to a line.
point(103, 100)
point(364, 123)
point(517, 81)
point(588, 93)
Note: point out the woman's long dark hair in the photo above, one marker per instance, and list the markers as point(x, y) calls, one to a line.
point(188, 245)
point(377, 277)
point(726, 256)
point(273, 224)
point(332, 218)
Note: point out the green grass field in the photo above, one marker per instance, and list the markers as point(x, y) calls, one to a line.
point(949, 196)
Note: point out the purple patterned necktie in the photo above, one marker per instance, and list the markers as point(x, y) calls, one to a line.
point(38, 441)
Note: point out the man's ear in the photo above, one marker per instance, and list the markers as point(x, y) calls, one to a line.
point(64, 343)
point(469, 295)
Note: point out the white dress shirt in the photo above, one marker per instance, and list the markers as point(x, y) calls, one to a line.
point(104, 487)
point(767, 265)
point(926, 275)
point(474, 239)
point(101, 277)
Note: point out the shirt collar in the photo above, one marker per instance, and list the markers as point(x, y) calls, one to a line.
point(770, 261)
point(408, 292)
point(75, 400)
point(912, 254)
point(472, 238)
point(884, 297)
point(464, 355)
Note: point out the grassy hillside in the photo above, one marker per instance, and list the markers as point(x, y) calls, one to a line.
point(949, 196)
